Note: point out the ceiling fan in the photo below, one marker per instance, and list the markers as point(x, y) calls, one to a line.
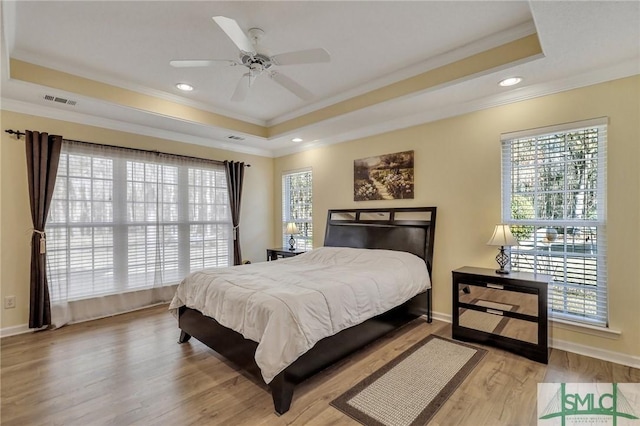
point(256, 62)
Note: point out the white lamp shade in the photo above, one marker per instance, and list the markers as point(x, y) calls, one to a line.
point(292, 228)
point(502, 236)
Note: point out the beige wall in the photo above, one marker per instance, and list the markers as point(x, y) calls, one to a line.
point(457, 169)
point(15, 220)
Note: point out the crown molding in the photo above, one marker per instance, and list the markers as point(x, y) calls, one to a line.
point(101, 78)
point(8, 12)
point(622, 70)
point(106, 123)
point(428, 64)
point(7, 36)
point(618, 71)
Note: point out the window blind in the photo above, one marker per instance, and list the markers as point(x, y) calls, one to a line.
point(554, 198)
point(297, 207)
point(124, 220)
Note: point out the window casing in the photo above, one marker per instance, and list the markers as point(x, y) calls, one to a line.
point(554, 198)
point(297, 207)
point(122, 220)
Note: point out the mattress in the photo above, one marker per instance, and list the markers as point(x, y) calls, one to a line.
point(288, 305)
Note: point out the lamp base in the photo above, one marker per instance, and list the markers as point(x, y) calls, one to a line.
point(503, 260)
point(292, 243)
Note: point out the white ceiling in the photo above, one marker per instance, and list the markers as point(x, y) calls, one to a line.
point(372, 44)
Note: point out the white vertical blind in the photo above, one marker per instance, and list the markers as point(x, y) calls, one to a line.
point(554, 197)
point(297, 207)
point(123, 220)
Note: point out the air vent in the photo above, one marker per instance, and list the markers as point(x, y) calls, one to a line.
point(59, 100)
point(235, 138)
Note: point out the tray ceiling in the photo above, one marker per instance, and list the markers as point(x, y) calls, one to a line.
point(393, 64)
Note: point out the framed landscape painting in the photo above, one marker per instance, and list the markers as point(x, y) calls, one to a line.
point(385, 177)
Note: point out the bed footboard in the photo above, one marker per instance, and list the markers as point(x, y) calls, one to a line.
point(234, 347)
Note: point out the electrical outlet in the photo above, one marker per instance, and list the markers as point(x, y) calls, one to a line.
point(9, 302)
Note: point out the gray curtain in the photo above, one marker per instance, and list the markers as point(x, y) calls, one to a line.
point(235, 177)
point(43, 154)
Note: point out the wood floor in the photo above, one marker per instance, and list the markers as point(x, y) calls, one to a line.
point(130, 370)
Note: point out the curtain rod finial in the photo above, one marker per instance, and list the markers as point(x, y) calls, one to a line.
point(15, 132)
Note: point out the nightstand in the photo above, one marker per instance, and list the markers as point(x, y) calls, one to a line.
point(506, 311)
point(279, 253)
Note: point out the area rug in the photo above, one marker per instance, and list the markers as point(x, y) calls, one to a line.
point(483, 322)
point(411, 388)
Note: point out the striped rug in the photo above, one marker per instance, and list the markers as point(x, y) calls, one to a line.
point(411, 388)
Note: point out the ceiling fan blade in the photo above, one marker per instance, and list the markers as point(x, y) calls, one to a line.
point(189, 63)
point(242, 88)
point(235, 33)
point(291, 86)
point(309, 56)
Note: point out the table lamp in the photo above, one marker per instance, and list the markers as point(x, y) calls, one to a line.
point(292, 229)
point(502, 237)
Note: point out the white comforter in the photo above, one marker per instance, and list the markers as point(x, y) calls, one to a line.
point(288, 305)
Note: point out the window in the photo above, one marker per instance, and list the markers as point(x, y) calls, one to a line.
point(123, 220)
point(297, 207)
point(554, 199)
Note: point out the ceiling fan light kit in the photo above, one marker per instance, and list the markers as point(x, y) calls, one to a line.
point(257, 63)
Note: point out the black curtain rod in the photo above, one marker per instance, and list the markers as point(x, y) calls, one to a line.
point(150, 151)
point(18, 133)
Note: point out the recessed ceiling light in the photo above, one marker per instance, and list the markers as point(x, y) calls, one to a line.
point(296, 140)
point(184, 87)
point(510, 81)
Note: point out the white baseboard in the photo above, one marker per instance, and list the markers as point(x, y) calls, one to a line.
point(24, 328)
point(15, 330)
point(603, 354)
point(441, 317)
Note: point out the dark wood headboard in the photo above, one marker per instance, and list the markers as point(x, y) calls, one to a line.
point(409, 229)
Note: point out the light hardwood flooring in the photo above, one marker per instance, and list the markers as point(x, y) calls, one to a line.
point(129, 369)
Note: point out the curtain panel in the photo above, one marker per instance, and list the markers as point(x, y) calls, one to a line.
point(43, 154)
point(235, 178)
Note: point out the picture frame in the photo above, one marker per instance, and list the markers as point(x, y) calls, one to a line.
point(384, 177)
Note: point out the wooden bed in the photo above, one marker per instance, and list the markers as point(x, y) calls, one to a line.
point(401, 229)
